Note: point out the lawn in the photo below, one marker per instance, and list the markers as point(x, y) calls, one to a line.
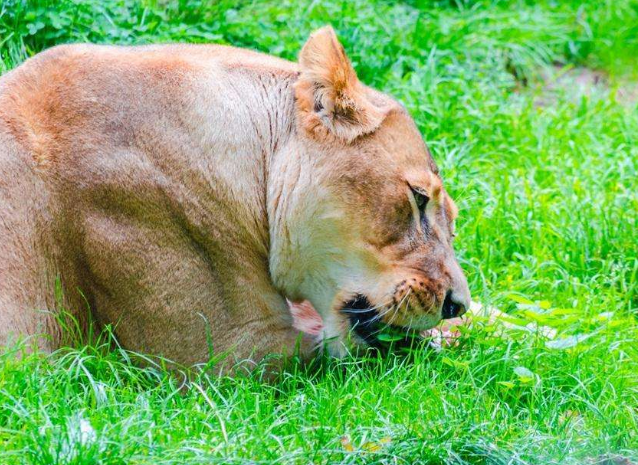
point(530, 109)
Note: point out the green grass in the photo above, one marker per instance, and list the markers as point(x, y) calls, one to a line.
point(547, 232)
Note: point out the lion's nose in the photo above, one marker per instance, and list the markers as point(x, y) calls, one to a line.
point(451, 307)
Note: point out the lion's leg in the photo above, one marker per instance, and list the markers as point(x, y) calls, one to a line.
point(26, 286)
point(30, 324)
point(28, 307)
point(273, 342)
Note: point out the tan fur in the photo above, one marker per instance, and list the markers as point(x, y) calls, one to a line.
point(181, 189)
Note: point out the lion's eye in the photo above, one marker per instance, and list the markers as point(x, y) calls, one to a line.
point(421, 200)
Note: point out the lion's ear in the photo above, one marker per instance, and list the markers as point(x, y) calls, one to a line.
point(329, 95)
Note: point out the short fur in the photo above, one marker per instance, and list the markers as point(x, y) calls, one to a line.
point(183, 189)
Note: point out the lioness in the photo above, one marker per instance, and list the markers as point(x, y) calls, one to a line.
point(184, 192)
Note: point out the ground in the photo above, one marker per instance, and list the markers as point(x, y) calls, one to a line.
point(543, 164)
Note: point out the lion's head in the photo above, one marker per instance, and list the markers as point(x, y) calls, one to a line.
point(361, 224)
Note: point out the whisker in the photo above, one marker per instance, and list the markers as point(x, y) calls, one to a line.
point(362, 310)
point(359, 310)
point(404, 300)
point(396, 309)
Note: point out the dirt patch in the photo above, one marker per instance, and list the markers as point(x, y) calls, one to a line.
point(610, 460)
point(574, 82)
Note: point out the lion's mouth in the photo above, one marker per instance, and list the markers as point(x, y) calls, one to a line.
point(366, 324)
point(364, 320)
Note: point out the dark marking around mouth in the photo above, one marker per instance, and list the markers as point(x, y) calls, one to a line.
point(366, 324)
point(363, 318)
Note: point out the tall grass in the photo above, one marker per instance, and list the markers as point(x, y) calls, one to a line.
point(547, 232)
